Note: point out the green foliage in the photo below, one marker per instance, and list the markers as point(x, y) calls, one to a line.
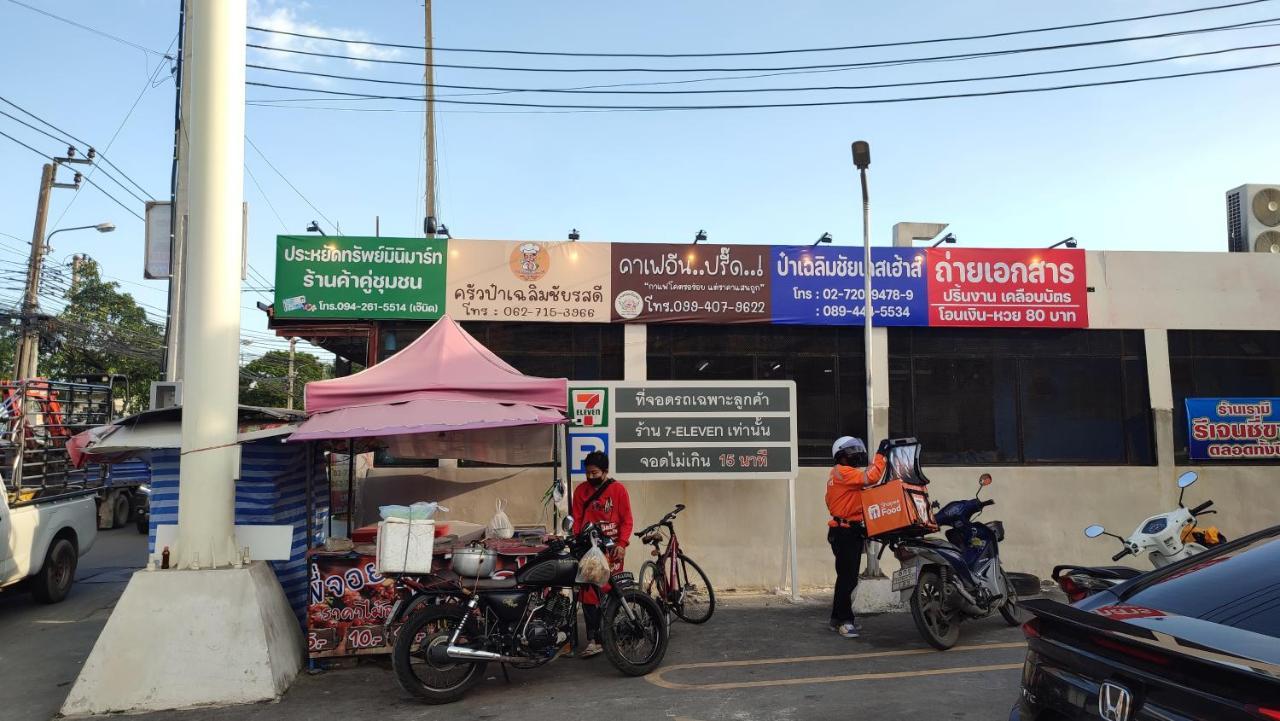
point(264, 381)
point(103, 330)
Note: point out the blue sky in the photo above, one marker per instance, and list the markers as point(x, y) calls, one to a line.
point(1133, 167)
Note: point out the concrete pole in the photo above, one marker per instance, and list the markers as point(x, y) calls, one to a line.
point(293, 342)
point(29, 344)
point(210, 457)
point(181, 208)
point(429, 80)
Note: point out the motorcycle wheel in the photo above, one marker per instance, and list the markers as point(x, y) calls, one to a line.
point(634, 647)
point(429, 681)
point(1010, 610)
point(939, 628)
point(697, 600)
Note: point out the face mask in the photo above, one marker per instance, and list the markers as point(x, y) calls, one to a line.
point(596, 481)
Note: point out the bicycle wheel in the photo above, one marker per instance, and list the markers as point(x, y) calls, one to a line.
point(695, 600)
point(652, 582)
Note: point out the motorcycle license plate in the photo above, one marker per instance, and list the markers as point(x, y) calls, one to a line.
point(905, 578)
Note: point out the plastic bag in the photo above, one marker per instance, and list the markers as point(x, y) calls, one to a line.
point(500, 526)
point(420, 511)
point(594, 567)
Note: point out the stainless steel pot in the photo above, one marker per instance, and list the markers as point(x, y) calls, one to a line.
point(474, 561)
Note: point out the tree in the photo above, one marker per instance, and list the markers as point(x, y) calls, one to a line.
point(264, 381)
point(103, 331)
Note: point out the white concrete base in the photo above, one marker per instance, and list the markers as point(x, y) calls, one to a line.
point(873, 596)
point(179, 639)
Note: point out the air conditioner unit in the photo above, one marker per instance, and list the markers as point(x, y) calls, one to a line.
point(165, 394)
point(1253, 219)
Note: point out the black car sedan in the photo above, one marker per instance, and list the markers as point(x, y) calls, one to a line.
point(1197, 640)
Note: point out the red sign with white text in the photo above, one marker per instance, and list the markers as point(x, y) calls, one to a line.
point(1008, 288)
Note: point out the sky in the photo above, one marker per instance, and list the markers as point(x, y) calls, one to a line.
point(1126, 167)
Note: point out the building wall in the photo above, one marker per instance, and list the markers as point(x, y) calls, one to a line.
point(737, 529)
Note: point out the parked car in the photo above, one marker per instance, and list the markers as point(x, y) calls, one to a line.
point(1198, 639)
point(42, 539)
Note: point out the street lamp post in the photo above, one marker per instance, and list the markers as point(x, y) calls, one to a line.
point(862, 161)
point(27, 357)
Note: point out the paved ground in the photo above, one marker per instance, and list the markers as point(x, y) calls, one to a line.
point(753, 661)
point(43, 647)
point(757, 659)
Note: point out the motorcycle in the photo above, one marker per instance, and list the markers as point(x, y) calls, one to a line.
point(1166, 538)
point(453, 628)
point(957, 579)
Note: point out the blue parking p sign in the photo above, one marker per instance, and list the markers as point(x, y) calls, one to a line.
point(580, 444)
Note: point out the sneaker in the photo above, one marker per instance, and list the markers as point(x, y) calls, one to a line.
point(835, 625)
point(848, 630)
point(592, 649)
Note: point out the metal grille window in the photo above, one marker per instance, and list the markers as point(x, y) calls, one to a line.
point(991, 396)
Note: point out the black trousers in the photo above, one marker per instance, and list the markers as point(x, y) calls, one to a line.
point(591, 613)
point(846, 543)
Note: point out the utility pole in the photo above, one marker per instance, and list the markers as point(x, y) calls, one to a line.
point(27, 356)
point(76, 261)
point(179, 216)
point(30, 298)
point(429, 81)
point(214, 131)
point(293, 342)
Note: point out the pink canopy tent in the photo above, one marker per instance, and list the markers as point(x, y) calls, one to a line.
point(443, 396)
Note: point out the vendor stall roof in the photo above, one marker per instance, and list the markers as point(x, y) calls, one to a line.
point(162, 428)
point(445, 363)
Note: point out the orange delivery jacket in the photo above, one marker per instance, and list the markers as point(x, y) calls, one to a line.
point(844, 491)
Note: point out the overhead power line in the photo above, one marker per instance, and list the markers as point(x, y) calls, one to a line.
point(77, 141)
point(288, 182)
point(877, 86)
point(900, 43)
point(746, 106)
point(93, 30)
point(865, 64)
point(82, 177)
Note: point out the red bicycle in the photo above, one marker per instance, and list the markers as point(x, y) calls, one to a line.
point(674, 580)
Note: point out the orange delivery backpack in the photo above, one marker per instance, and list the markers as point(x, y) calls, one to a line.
point(900, 505)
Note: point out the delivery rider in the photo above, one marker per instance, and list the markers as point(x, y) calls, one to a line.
point(846, 532)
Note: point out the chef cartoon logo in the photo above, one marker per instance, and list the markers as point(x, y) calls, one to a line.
point(530, 261)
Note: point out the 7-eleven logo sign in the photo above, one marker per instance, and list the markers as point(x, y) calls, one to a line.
point(590, 407)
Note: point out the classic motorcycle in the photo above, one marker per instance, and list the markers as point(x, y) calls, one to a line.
point(1166, 538)
point(947, 582)
point(453, 628)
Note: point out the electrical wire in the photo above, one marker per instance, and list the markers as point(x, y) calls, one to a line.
point(95, 31)
point(288, 182)
point(900, 43)
point(149, 84)
point(28, 147)
point(876, 86)
point(103, 156)
point(865, 64)
point(826, 103)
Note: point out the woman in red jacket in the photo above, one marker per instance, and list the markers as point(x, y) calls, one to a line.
point(604, 502)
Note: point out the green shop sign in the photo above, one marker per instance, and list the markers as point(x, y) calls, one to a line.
point(350, 277)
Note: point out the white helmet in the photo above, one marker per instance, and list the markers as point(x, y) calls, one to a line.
point(847, 444)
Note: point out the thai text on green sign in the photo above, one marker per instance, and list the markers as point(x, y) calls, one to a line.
point(359, 277)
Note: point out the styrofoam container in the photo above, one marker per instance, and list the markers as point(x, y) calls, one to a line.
point(405, 546)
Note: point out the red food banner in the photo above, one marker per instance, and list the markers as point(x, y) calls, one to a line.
point(1009, 288)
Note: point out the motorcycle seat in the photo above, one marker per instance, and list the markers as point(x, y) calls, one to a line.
point(488, 584)
point(1122, 573)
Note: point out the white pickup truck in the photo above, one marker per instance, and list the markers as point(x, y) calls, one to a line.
point(42, 540)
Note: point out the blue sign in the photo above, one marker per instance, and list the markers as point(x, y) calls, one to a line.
point(580, 444)
point(1233, 428)
point(823, 285)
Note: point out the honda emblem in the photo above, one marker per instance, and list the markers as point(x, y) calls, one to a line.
point(1115, 703)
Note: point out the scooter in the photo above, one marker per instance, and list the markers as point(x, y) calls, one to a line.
point(1165, 538)
point(947, 582)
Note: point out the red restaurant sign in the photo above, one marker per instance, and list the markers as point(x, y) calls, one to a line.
point(1013, 288)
